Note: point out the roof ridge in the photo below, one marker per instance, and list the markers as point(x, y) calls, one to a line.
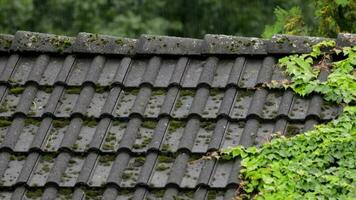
point(211, 44)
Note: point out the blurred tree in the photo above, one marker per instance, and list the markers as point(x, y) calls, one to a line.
point(181, 18)
point(329, 18)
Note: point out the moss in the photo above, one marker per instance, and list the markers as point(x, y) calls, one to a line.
point(208, 126)
point(4, 123)
point(5, 43)
point(73, 90)
point(47, 90)
point(116, 122)
point(179, 104)
point(146, 141)
point(31, 121)
point(57, 124)
point(110, 137)
point(127, 175)
point(48, 158)
point(149, 124)
point(159, 92)
point(139, 161)
point(34, 194)
point(90, 123)
point(71, 162)
point(166, 147)
point(20, 157)
point(75, 146)
point(92, 194)
point(119, 41)
point(16, 90)
point(269, 103)
point(212, 195)
point(175, 124)
point(107, 159)
point(185, 93)
point(292, 130)
point(165, 159)
point(214, 92)
point(100, 89)
point(108, 146)
point(45, 168)
point(3, 108)
point(161, 167)
point(60, 43)
point(65, 193)
point(159, 193)
point(132, 91)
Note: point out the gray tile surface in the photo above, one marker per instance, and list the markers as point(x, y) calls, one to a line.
point(120, 118)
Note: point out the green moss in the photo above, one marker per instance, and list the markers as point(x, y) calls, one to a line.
point(5, 43)
point(108, 146)
point(48, 158)
point(161, 167)
point(147, 140)
point(46, 168)
point(60, 43)
point(165, 159)
point(100, 89)
point(92, 194)
point(21, 157)
point(159, 193)
point(34, 194)
point(175, 124)
point(65, 193)
point(179, 104)
point(214, 92)
point(127, 175)
point(16, 90)
point(166, 147)
point(31, 121)
point(159, 92)
point(116, 122)
point(107, 159)
point(119, 41)
point(139, 161)
point(208, 126)
point(73, 90)
point(212, 195)
point(57, 124)
point(132, 91)
point(90, 123)
point(149, 124)
point(47, 90)
point(184, 93)
point(4, 108)
point(110, 137)
point(4, 123)
point(75, 146)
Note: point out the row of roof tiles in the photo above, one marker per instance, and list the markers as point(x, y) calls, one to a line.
point(103, 126)
point(147, 44)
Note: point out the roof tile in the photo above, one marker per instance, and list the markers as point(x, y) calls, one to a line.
point(130, 119)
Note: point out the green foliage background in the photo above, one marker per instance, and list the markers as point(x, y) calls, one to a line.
point(169, 17)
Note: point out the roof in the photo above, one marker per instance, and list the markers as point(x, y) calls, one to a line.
point(118, 118)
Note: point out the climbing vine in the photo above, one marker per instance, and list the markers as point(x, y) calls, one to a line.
point(318, 164)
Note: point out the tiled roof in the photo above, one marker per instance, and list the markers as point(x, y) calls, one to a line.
point(98, 116)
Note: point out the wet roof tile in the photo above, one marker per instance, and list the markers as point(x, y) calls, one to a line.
point(117, 118)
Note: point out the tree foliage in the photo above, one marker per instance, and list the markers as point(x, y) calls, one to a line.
point(131, 18)
point(329, 18)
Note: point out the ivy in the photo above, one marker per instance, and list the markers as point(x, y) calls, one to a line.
point(304, 71)
point(318, 164)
